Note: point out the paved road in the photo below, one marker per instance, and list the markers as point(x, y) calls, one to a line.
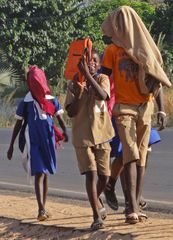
point(158, 187)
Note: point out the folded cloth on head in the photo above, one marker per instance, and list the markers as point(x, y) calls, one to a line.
point(127, 30)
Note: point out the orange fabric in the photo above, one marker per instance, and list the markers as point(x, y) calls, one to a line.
point(125, 75)
point(77, 49)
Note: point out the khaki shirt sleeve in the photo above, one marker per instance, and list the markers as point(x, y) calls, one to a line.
point(105, 83)
point(69, 96)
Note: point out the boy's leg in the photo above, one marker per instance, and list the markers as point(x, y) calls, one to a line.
point(110, 195)
point(116, 168)
point(101, 184)
point(92, 193)
point(140, 181)
point(130, 174)
point(124, 188)
point(143, 132)
point(142, 202)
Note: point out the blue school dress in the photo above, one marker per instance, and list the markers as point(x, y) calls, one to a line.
point(39, 135)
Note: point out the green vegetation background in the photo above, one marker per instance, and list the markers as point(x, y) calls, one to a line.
point(39, 31)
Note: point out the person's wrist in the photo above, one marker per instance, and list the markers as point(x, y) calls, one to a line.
point(64, 131)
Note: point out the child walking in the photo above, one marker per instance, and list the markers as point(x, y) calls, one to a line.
point(135, 63)
point(117, 162)
point(37, 133)
point(91, 131)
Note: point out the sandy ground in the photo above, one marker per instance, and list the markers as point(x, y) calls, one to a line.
point(71, 220)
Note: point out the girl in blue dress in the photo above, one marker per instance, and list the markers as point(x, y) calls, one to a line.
point(37, 138)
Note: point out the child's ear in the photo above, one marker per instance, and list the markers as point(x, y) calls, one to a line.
point(99, 65)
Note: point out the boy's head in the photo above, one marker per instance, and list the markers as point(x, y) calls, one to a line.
point(94, 63)
point(107, 40)
point(119, 24)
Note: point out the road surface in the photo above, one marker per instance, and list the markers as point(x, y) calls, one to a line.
point(158, 187)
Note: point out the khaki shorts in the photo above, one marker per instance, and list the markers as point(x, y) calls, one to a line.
point(134, 125)
point(95, 158)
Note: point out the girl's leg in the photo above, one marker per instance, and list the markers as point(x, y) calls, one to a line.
point(38, 181)
point(92, 193)
point(39, 178)
point(45, 189)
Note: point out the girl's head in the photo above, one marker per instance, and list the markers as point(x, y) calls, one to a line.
point(94, 63)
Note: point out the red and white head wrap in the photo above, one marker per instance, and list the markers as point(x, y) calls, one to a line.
point(37, 84)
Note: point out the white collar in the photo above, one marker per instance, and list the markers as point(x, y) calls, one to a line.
point(28, 97)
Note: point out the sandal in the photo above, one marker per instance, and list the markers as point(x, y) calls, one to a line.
point(48, 214)
point(42, 216)
point(97, 224)
point(132, 218)
point(111, 198)
point(142, 217)
point(102, 210)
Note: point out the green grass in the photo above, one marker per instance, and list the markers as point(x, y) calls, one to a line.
point(7, 118)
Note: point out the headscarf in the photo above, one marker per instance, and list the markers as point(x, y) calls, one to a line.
point(37, 84)
point(127, 30)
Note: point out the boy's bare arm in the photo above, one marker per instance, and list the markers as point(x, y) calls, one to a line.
point(85, 71)
point(16, 130)
point(161, 115)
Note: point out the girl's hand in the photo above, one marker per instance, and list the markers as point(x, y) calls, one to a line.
point(65, 137)
point(10, 153)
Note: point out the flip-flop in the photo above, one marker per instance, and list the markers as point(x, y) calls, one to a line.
point(142, 217)
point(132, 218)
point(97, 224)
point(48, 214)
point(102, 210)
